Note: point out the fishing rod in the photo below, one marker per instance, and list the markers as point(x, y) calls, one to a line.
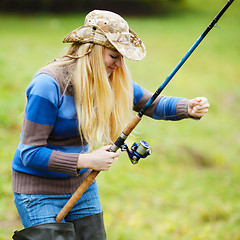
point(142, 149)
point(120, 141)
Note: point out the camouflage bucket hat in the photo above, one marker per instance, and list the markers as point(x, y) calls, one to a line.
point(110, 30)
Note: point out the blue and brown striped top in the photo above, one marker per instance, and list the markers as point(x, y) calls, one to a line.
point(45, 161)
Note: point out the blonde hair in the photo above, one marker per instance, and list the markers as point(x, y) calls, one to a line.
point(103, 105)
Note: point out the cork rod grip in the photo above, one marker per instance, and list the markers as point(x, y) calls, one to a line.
point(87, 182)
point(134, 122)
point(79, 192)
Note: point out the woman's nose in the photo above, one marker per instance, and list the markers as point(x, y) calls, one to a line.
point(118, 62)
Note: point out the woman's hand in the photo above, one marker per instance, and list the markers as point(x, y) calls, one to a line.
point(99, 160)
point(198, 107)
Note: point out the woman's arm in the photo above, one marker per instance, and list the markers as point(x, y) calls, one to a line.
point(169, 108)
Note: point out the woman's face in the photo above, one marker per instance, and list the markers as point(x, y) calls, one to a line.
point(112, 60)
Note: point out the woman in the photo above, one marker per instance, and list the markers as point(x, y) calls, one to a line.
point(82, 99)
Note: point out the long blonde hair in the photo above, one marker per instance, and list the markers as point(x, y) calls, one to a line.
point(103, 105)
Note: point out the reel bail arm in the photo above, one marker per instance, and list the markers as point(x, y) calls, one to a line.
point(137, 151)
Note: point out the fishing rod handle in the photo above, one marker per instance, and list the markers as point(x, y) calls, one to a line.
point(133, 123)
point(75, 197)
point(90, 178)
point(129, 128)
point(123, 136)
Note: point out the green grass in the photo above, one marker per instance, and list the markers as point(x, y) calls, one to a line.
point(188, 188)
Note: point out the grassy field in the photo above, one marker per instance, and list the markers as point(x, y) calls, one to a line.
point(189, 187)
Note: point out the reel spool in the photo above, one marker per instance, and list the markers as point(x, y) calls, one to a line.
point(137, 151)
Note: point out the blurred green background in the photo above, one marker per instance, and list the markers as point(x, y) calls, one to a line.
point(189, 188)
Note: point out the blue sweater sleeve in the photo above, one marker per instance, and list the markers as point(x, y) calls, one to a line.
point(40, 114)
point(42, 151)
point(163, 108)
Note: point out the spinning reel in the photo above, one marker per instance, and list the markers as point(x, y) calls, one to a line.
point(137, 151)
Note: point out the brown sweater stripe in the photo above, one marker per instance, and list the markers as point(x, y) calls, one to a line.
point(35, 134)
point(146, 96)
point(64, 163)
point(30, 184)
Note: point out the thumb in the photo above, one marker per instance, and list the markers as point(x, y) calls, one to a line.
point(195, 101)
point(192, 103)
point(106, 147)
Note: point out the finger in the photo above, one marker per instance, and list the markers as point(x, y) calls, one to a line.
point(110, 160)
point(205, 105)
point(110, 164)
point(114, 159)
point(116, 154)
point(201, 100)
point(192, 103)
point(199, 108)
point(198, 101)
point(200, 113)
point(107, 147)
point(107, 165)
point(113, 154)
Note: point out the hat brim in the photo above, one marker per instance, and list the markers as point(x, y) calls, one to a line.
point(133, 50)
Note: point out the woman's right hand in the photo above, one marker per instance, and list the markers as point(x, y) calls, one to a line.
point(99, 160)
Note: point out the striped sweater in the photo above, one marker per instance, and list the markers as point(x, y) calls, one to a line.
point(45, 161)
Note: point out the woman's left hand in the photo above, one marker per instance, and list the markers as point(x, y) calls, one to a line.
point(198, 107)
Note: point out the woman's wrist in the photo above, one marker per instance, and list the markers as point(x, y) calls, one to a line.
point(182, 108)
point(83, 161)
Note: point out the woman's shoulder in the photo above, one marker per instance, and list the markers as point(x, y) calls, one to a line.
point(48, 75)
point(43, 81)
point(44, 86)
point(55, 76)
